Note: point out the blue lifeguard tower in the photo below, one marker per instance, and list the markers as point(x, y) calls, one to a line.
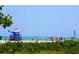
point(15, 35)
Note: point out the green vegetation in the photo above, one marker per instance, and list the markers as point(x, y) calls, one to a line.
point(66, 47)
point(5, 20)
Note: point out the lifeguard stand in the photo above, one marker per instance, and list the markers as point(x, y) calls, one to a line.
point(15, 35)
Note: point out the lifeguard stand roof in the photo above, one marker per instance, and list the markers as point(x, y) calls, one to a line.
point(15, 30)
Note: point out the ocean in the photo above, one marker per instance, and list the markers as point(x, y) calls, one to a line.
point(36, 38)
point(29, 38)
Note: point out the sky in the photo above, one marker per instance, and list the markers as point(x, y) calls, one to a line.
point(43, 20)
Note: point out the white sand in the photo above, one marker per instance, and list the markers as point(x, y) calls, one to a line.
point(26, 41)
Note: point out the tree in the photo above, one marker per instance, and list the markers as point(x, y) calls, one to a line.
point(5, 20)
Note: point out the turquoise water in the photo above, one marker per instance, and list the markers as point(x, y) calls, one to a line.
point(31, 38)
point(36, 38)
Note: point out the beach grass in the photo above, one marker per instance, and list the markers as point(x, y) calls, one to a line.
point(66, 47)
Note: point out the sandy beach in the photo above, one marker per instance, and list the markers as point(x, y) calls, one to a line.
point(26, 41)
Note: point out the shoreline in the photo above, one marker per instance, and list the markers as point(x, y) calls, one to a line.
point(26, 41)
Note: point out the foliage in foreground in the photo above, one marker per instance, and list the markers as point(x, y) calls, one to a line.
point(5, 20)
point(67, 47)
